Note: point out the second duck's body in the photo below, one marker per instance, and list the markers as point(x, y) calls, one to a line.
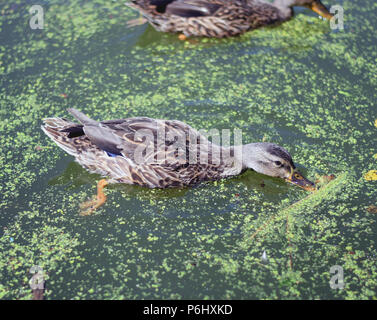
point(219, 18)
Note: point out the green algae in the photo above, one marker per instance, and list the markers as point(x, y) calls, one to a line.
point(301, 85)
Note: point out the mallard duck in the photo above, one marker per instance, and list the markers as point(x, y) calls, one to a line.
point(161, 153)
point(219, 18)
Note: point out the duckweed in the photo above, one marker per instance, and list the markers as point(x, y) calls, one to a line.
point(371, 175)
point(301, 85)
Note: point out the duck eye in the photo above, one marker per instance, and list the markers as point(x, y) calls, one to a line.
point(278, 163)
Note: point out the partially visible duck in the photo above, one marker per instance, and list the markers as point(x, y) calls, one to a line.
point(219, 18)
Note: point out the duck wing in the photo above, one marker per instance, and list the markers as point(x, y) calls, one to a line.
point(145, 140)
point(183, 8)
point(192, 8)
point(100, 135)
point(142, 140)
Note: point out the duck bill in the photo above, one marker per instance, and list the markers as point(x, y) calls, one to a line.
point(299, 180)
point(319, 8)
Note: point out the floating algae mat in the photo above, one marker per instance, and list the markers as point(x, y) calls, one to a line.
point(327, 191)
point(301, 85)
point(310, 202)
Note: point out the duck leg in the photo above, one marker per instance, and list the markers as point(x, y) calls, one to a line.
point(89, 206)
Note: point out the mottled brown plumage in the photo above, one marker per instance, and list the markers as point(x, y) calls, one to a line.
point(150, 152)
point(218, 18)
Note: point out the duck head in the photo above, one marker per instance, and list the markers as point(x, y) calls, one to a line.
point(315, 5)
point(273, 160)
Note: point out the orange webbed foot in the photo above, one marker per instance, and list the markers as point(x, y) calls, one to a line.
point(88, 207)
point(182, 37)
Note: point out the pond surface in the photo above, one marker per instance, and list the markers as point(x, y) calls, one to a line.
point(301, 85)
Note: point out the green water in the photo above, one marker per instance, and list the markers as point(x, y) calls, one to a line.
point(300, 85)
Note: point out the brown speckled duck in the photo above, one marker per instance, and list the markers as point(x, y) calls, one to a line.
point(161, 153)
point(219, 18)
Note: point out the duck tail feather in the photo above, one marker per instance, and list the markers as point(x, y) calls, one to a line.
point(80, 116)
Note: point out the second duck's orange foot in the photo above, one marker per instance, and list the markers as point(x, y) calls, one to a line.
point(88, 207)
point(182, 37)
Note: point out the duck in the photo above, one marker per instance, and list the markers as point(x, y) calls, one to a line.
point(158, 153)
point(218, 18)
